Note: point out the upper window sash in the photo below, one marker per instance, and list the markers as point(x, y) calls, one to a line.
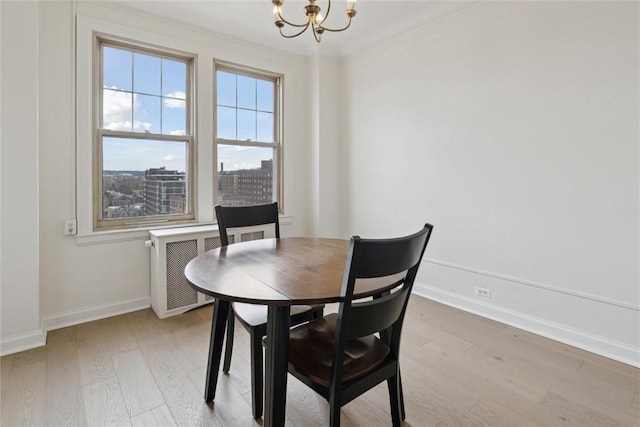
point(156, 81)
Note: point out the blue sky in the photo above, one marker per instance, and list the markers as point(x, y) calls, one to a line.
point(147, 94)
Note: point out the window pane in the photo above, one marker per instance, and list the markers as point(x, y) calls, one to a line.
point(117, 68)
point(146, 115)
point(246, 125)
point(174, 79)
point(246, 92)
point(265, 95)
point(146, 74)
point(265, 127)
point(226, 89)
point(174, 117)
point(117, 111)
point(245, 175)
point(143, 177)
point(226, 123)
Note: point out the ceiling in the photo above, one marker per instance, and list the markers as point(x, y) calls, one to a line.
point(252, 20)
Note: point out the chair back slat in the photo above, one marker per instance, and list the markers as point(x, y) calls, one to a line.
point(246, 216)
point(373, 316)
point(380, 258)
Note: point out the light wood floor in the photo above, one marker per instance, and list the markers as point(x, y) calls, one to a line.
point(458, 370)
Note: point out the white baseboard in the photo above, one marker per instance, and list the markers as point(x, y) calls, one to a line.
point(75, 317)
point(22, 342)
point(38, 338)
point(595, 344)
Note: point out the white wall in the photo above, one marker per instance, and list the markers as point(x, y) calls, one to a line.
point(50, 280)
point(513, 128)
point(326, 163)
point(19, 293)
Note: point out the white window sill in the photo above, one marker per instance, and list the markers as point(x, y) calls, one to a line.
point(113, 236)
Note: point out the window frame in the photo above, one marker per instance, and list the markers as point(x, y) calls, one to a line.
point(104, 224)
point(277, 144)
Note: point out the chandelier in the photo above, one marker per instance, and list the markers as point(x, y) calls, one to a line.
point(315, 19)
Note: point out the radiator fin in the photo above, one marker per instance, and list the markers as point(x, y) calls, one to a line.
point(179, 292)
point(256, 235)
point(211, 243)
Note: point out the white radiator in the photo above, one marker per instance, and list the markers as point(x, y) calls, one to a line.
point(171, 251)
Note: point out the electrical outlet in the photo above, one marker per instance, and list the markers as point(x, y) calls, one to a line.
point(483, 292)
point(70, 227)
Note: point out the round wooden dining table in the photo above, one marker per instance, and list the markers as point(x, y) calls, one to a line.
point(278, 273)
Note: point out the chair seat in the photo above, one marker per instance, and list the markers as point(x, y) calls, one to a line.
point(311, 347)
point(254, 315)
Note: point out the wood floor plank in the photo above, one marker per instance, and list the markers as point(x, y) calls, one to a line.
point(28, 357)
point(545, 355)
point(437, 394)
point(304, 407)
point(97, 342)
point(144, 323)
point(6, 363)
point(105, 404)
point(96, 364)
point(64, 404)
point(160, 416)
point(192, 346)
point(138, 385)
point(481, 380)
point(24, 394)
point(111, 333)
point(184, 400)
point(602, 377)
point(583, 355)
point(494, 414)
point(556, 372)
point(230, 407)
point(571, 413)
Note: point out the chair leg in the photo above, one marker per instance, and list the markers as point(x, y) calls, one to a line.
point(257, 375)
point(403, 414)
point(334, 413)
point(395, 400)
point(228, 348)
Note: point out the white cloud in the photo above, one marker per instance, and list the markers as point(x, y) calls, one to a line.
point(172, 102)
point(117, 111)
point(237, 148)
point(127, 125)
point(178, 132)
point(177, 94)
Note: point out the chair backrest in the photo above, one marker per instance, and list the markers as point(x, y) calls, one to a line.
point(246, 216)
point(379, 258)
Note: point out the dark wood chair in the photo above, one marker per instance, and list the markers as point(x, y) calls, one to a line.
point(339, 356)
point(254, 317)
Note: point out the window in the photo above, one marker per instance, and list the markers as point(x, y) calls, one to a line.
point(248, 136)
point(144, 145)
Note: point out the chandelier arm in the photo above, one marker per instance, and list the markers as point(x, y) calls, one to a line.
point(281, 18)
point(337, 30)
point(326, 15)
point(294, 35)
point(315, 33)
